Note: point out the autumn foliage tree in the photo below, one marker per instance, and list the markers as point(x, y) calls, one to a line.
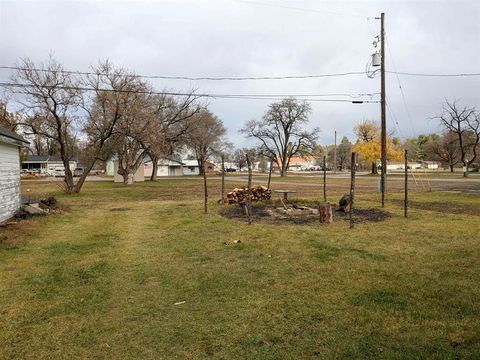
point(368, 144)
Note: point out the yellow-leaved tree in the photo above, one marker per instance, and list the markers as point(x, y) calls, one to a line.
point(368, 145)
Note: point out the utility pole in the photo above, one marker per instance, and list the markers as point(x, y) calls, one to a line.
point(335, 154)
point(383, 110)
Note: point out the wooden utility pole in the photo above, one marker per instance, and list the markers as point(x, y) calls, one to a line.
point(353, 165)
point(383, 110)
point(405, 201)
point(335, 154)
point(223, 178)
point(324, 178)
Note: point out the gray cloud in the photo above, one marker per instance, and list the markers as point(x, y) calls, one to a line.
point(234, 38)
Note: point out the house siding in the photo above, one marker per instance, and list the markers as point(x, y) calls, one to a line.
point(9, 180)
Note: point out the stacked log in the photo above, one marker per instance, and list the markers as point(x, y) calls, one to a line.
point(239, 195)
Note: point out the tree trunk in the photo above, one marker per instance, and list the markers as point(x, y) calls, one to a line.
point(451, 168)
point(83, 177)
point(154, 159)
point(465, 173)
point(374, 168)
point(68, 179)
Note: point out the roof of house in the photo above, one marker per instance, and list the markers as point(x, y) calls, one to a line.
point(195, 162)
point(301, 159)
point(16, 139)
point(190, 162)
point(164, 161)
point(46, 158)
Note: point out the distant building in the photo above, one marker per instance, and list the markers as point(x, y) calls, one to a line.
point(10, 144)
point(431, 165)
point(191, 167)
point(401, 165)
point(47, 164)
point(166, 167)
point(298, 163)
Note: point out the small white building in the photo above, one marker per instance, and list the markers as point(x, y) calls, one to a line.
point(10, 145)
point(190, 167)
point(47, 164)
point(139, 175)
point(430, 165)
point(165, 167)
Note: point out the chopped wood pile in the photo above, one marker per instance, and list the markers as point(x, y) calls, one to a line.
point(239, 195)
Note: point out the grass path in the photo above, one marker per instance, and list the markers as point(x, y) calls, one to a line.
point(101, 280)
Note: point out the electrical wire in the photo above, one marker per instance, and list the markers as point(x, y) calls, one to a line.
point(191, 78)
point(299, 8)
point(305, 97)
point(401, 88)
point(238, 78)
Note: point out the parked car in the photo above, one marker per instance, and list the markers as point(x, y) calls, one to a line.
point(230, 170)
point(59, 172)
point(78, 171)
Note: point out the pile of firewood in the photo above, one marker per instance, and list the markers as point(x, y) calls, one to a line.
point(239, 195)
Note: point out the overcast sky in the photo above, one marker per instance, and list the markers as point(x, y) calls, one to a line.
point(265, 38)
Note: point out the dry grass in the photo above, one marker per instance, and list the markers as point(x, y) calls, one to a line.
point(101, 280)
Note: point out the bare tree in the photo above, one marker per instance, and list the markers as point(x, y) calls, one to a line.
point(444, 149)
point(131, 139)
point(169, 126)
point(9, 120)
point(464, 122)
point(50, 100)
point(114, 89)
point(204, 138)
point(239, 157)
point(281, 132)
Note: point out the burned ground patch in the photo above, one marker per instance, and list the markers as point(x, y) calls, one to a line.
point(271, 212)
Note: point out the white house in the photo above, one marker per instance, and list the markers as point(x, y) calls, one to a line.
point(190, 167)
point(10, 145)
point(47, 164)
point(165, 167)
point(431, 165)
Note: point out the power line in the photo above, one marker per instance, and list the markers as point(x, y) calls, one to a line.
point(192, 78)
point(205, 95)
point(434, 75)
point(401, 89)
point(299, 8)
point(239, 78)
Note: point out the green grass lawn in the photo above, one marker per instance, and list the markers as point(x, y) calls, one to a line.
point(101, 279)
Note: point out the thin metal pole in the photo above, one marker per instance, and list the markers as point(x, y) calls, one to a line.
point(249, 190)
point(223, 178)
point(324, 178)
point(405, 203)
point(270, 173)
point(353, 165)
point(335, 154)
point(383, 110)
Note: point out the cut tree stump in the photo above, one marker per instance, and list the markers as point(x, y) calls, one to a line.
point(325, 211)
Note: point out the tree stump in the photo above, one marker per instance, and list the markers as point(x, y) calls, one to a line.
point(344, 203)
point(325, 211)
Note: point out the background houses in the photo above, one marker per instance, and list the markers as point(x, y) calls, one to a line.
point(47, 164)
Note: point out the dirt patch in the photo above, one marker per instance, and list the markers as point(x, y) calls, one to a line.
point(273, 213)
point(121, 209)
